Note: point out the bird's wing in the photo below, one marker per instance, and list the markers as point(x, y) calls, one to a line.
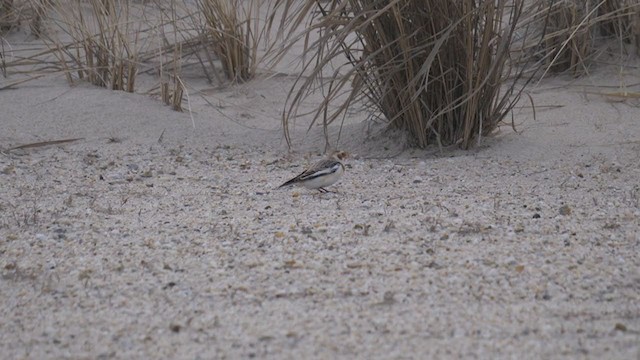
point(320, 168)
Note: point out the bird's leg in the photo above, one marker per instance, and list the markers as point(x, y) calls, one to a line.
point(324, 191)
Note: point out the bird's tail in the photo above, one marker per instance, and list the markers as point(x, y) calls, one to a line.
point(288, 183)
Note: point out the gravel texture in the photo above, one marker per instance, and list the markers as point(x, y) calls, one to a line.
point(122, 246)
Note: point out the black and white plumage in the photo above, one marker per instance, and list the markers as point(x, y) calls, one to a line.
point(321, 174)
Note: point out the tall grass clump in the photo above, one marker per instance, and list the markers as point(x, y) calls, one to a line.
point(14, 13)
point(6, 22)
point(246, 34)
point(568, 41)
point(95, 40)
point(171, 85)
point(621, 19)
point(8, 16)
point(438, 69)
point(572, 31)
point(567, 30)
point(229, 28)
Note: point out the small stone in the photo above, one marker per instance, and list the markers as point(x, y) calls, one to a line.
point(175, 328)
point(8, 170)
point(114, 176)
point(620, 327)
point(565, 210)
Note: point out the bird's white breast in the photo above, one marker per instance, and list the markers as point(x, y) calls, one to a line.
point(325, 180)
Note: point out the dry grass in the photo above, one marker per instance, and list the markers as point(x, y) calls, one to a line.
point(103, 47)
point(571, 31)
point(12, 14)
point(570, 39)
point(8, 15)
point(107, 42)
point(229, 25)
point(621, 19)
point(246, 34)
point(9, 19)
point(170, 55)
point(171, 85)
point(446, 72)
point(438, 69)
point(3, 61)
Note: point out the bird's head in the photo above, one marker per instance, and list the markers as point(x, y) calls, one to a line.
point(340, 155)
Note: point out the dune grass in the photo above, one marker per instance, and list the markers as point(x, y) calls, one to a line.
point(103, 47)
point(8, 15)
point(445, 72)
point(247, 34)
point(105, 42)
point(438, 69)
point(572, 31)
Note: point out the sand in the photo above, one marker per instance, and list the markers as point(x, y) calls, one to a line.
point(160, 234)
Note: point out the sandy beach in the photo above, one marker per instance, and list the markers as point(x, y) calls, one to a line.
point(160, 234)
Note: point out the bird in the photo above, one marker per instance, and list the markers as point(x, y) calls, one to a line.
point(321, 174)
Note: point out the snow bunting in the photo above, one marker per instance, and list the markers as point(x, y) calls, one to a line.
point(321, 174)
